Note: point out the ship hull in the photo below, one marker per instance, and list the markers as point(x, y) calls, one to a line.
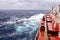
point(48, 29)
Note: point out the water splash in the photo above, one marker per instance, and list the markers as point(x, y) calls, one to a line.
point(29, 26)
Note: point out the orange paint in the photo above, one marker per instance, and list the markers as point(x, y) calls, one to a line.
point(52, 28)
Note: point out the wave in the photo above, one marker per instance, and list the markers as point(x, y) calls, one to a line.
point(26, 28)
point(29, 27)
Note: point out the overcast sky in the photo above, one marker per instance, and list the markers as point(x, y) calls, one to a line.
point(28, 4)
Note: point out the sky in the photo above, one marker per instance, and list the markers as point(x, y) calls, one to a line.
point(27, 4)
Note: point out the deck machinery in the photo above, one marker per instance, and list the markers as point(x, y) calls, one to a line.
point(49, 28)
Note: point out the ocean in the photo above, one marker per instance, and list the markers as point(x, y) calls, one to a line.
point(20, 24)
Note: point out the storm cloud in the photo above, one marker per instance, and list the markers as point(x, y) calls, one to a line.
point(27, 4)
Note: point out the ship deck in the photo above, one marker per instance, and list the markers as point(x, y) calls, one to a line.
point(41, 36)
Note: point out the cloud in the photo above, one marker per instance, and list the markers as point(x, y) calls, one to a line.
point(27, 4)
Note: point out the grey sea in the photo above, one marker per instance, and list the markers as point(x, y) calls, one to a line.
point(20, 24)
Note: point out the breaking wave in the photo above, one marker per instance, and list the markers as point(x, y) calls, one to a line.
point(29, 27)
point(20, 28)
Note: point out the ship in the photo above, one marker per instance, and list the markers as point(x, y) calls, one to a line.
point(49, 28)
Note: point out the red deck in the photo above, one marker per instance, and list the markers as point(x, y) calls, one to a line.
point(41, 37)
point(52, 29)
